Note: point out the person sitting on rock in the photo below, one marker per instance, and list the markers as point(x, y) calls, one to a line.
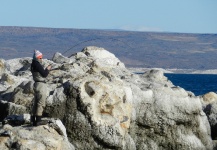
point(40, 88)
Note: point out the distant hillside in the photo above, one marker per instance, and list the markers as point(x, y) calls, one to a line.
point(135, 49)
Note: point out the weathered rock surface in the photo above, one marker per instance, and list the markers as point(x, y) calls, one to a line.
point(209, 101)
point(105, 106)
point(35, 138)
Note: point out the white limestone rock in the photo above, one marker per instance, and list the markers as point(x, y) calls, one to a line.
point(34, 138)
point(105, 106)
point(209, 98)
point(2, 66)
point(102, 58)
point(209, 101)
point(59, 58)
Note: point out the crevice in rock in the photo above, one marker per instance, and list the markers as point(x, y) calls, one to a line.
point(3, 110)
point(144, 125)
point(107, 75)
point(104, 145)
point(88, 89)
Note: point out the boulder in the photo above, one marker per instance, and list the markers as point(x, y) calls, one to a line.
point(209, 101)
point(19, 66)
point(104, 106)
point(34, 138)
point(2, 66)
point(59, 58)
point(209, 98)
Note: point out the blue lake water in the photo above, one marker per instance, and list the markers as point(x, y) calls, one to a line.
point(199, 84)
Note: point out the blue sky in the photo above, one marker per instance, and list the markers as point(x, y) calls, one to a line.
point(183, 16)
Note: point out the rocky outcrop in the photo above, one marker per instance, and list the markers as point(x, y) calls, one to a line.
point(104, 106)
point(35, 138)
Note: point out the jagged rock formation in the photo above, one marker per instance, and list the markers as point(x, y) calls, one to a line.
point(105, 106)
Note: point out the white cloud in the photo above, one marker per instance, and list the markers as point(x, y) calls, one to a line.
point(140, 28)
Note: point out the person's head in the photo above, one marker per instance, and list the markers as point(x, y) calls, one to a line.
point(37, 55)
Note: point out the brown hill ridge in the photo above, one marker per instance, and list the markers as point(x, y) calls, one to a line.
point(135, 49)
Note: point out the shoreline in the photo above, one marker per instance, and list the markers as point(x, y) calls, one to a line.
point(175, 71)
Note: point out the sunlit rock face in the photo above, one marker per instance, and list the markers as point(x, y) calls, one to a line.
point(104, 106)
point(35, 138)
